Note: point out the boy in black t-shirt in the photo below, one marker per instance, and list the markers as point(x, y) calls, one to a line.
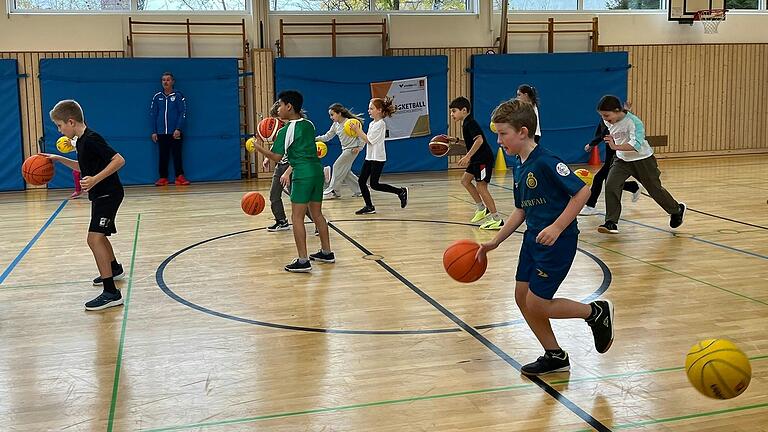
point(479, 163)
point(98, 164)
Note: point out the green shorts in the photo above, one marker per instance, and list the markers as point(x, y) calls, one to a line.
point(307, 190)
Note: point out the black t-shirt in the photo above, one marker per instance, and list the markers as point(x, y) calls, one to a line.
point(470, 130)
point(93, 155)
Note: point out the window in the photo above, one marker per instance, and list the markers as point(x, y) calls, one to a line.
point(125, 5)
point(535, 5)
point(73, 5)
point(621, 4)
point(741, 4)
point(191, 5)
point(370, 5)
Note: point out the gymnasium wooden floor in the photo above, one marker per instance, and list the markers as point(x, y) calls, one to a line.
point(217, 337)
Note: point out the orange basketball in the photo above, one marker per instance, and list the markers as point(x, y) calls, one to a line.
point(460, 263)
point(37, 170)
point(438, 145)
point(252, 203)
point(268, 128)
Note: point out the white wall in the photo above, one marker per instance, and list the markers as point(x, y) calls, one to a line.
point(50, 32)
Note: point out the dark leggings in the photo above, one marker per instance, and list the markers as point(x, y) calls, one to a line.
point(602, 174)
point(372, 170)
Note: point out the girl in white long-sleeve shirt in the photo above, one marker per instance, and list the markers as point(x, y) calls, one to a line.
point(376, 155)
point(350, 148)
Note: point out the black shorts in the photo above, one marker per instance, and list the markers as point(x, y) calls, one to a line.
point(103, 212)
point(481, 171)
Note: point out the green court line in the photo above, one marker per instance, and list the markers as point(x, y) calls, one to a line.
point(683, 417)
point(127, 302)
point(675, 273)
point(418, 398)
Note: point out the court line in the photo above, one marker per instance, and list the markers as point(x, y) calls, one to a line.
point(160, 279)
point(674, 272)
point(419, 398)
point(48, 284)
point(685, 417)
point(32, 242)
point(585, 416)
point(127, 303)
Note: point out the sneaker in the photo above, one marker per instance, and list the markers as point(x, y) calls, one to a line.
point(403, 195)
point(162, 181)
point(366, 210)
point(104, 300)
point(357, 194)
point(676, 219)
point(322, 257)
point(588, 211)
point(75, 195)
point(317, 233)
point(548, 363)
point(602, 325)
point(608, 228)
point(117, 274)
point(297, 267)
point(480, 215)
point(492, 224)
point(327, 174)
point(636, 194)
point(181, 181)
point(279, 226)
point(330, 195)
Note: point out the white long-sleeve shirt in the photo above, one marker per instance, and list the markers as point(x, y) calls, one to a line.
point(376, 151)
point(337, 129)
point(630, 130)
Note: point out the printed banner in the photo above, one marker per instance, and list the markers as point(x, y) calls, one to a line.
point(410, 98)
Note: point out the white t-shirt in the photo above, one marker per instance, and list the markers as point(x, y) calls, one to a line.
point(375, 150)
point(630, 130)
point(538, 121)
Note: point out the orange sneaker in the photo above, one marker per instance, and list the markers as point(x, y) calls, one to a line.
point(181, 181)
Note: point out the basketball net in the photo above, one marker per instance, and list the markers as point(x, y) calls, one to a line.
point(710, 19)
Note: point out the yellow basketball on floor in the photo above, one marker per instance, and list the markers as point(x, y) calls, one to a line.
point(585, 175)
point(718, 369)
point(493, 128)
point(322, 149)
point(250, 144)
point(64, 145)
point(348, 126)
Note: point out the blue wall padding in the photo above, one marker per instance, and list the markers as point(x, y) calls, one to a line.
point(569, 87)
point(115, 95)
point(11, 149)
point(347, 80)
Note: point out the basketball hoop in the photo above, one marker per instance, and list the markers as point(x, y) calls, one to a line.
point(710, 19)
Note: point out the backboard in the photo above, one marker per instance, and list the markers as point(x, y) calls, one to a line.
point(682, 11)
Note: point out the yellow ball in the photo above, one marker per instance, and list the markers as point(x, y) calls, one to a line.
point(493, 128)
point(585, 175)
point(250, 144)
point(348, 129)
point(322, 149)
point(718, 369)
point(64, 145)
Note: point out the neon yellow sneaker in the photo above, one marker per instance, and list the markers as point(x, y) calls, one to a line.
point(480, 215)
point(492, 224)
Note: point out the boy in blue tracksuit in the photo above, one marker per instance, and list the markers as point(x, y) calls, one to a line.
point(168, 113)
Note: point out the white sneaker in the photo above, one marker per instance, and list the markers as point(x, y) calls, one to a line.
point(588, 211)
point(327, 173)
point(636, 194)
point(357, 194)
point(330, 195)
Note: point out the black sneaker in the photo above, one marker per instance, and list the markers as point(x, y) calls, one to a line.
point(279, 226)
point(323, 257)
point(104, 300)
point(366, 210)
point(608, 228)
point(548, 363)
point(602, 325)
point(403, 195)
point(676, 220)
point(117, 274)
point(298, 267)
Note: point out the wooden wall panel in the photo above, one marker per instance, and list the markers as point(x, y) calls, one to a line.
point(263, 98)
point(459, 80)
point(709, 99)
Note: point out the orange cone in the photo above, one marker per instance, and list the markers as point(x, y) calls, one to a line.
point(594, 158)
